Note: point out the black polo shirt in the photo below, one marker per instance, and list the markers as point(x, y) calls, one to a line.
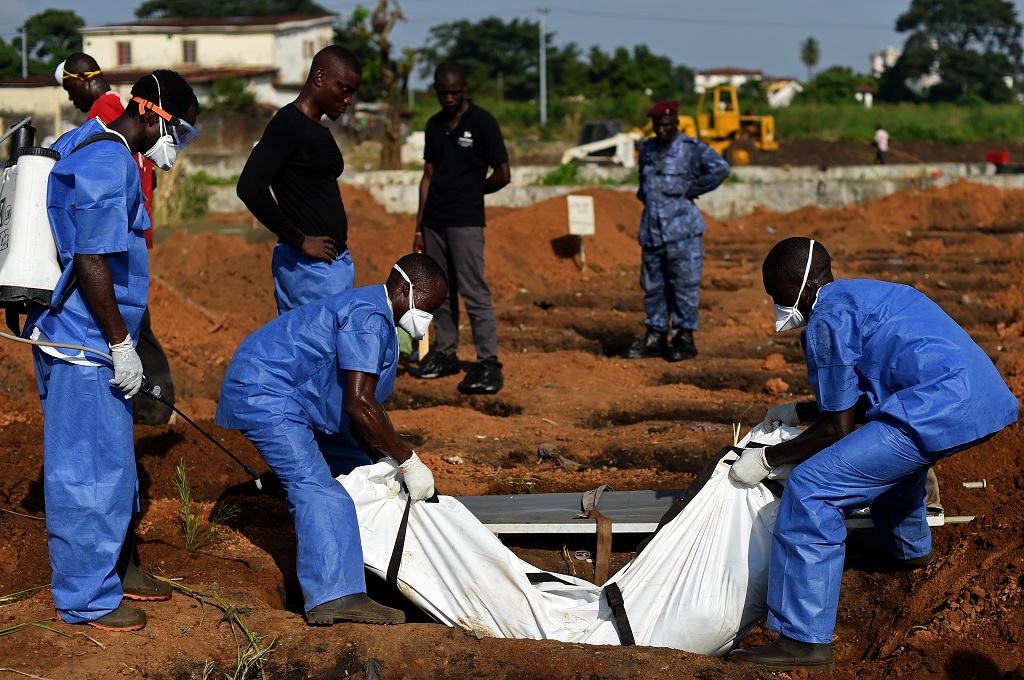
point(461, 160)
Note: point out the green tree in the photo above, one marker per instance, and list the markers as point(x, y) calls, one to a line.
point(52, 35)
point(810, 52)
point(229, 94)
point(10, 61)
point(971, 45)
point(352, 35)
point(835, 85)
point(372, 31)
point(180, 9)
point(486, 48)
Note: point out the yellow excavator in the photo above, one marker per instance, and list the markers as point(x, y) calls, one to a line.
point(737, 137)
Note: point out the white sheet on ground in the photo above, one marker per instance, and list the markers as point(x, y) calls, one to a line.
point(699, 585)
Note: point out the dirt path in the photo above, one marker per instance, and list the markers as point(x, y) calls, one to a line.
point(635, 425)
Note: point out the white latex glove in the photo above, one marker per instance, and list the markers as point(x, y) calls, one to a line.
point(127, 367)
point(783, 413)
point(394, 486)
point(418, 478)
point(751, 467)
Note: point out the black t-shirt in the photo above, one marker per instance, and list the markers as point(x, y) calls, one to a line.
point(461, 158)
point(299, 159)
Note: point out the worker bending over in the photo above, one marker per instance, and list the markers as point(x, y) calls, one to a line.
point(98, 220)
point(307, 389)
point(885, 355)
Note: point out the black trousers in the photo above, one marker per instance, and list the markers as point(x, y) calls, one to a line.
point(158, 372)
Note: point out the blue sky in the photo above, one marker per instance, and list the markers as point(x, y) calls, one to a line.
point(755, 34)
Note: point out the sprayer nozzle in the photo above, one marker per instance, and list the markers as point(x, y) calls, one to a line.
point(259, 484)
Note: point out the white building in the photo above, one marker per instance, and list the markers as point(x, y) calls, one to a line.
point(880, 60)
point(285, 44)
point(271, 55)
point(709, 79)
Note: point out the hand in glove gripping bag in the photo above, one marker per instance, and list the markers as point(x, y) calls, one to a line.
point(127, 367)
point(751, 467)
point(783, 413)
point(418, 478)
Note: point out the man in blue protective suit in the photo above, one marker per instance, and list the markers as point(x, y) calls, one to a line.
point(96, 211)
point(306, 390)
point(674, 170)
point(299, 159)
point(881, 354)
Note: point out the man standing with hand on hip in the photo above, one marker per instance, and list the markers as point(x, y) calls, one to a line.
point(462, 142)
point(299, 159)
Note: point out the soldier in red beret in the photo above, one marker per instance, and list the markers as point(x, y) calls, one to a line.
point(674, 170)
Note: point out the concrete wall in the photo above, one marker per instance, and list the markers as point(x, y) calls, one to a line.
point(774, 189)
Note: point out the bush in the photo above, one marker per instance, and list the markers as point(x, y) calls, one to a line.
point(180, 195)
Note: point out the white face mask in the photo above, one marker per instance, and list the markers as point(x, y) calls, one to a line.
point(788, 318)
point(165, 151)
point(415, 321)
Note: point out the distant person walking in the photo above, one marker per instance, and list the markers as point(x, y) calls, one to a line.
point(299, 159)
point(881, 144)
point(674, 170)
point(463, 141)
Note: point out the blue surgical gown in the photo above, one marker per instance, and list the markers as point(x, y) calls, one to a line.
point(931, 391)
point(95, 206)
point(914, 364)
point(284, 389)
point(89, 192)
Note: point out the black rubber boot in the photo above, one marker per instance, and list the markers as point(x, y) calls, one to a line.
point(785, 654)
point(650, 344)
point(435, 365)
point(134, 584)
point(484, 377)
point(357, 607)
point(138, 586)
point(681, 347)
point(122, 620)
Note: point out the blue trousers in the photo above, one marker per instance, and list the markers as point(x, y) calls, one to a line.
point(329, 554)
point(670, 277)
point(90, 484)
point(876, 465)
point(299, 279)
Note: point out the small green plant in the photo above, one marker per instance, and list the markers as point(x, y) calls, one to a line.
point(516, 485)
point(196, 536)
point(249, 654)
point(205, 178)
point(180, 195)
point(564, 174)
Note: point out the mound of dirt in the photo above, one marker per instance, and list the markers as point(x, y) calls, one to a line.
point(631, 424)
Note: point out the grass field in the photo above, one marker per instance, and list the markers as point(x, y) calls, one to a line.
point(947, 123)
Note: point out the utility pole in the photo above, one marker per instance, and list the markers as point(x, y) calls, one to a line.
point(543, 11)
point(24, 52)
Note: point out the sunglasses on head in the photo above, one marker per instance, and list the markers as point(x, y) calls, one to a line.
point(182, 132)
